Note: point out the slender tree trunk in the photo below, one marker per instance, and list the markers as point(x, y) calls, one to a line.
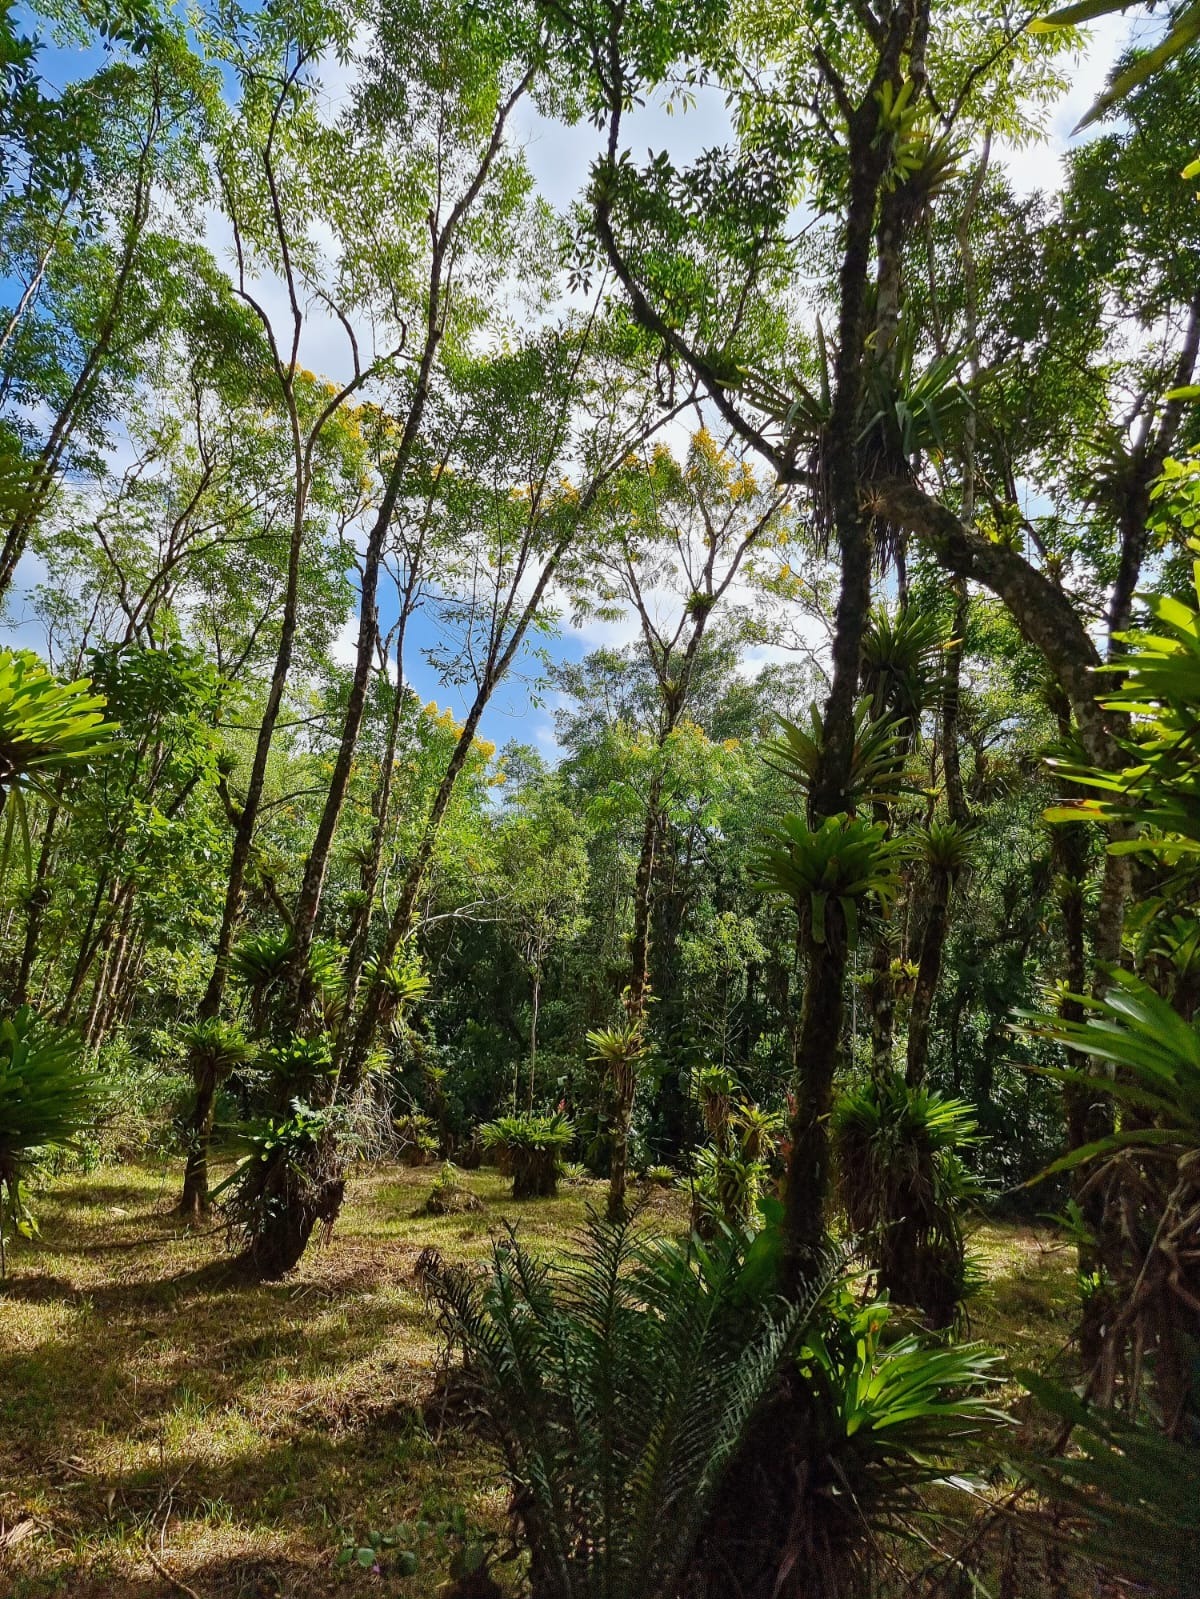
point(821, 1018)
point(807, 1180)
point(533, 1032)
point(956, 796)
point(109, 979)
point(37, 904)
point(194, 1197)
point(444, 242)
point(637, 997)
point(88, 947)
point(193, 1200)
point(1145, 465)
point(381, 808)
point(933, 942)
point(308, 901)
point(883, 1006)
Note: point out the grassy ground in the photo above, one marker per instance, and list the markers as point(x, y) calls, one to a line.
point(165, 1431)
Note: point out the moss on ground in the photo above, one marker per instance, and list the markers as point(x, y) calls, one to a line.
point(165, 1429)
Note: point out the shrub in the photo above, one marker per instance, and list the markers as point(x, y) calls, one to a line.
point(727, 1189)
point(618, 1383)
point(904, 1189)
point(292, 1175)
point(1125, 1496)
point(46, 1097)
point(531, 1149)
point(659, 1176)
point(416, 1139)
point(842, 1459)
point(729, 1176)
point(449, 1196)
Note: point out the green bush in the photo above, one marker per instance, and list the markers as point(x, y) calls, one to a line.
point(618, 1383)
point(659, 1176)
point(416, 1139)
point(867, 1438)
point(47, 1096)
point(449, 1195)
point(294, 1174)
point(904, 1188)
point(530, 1150)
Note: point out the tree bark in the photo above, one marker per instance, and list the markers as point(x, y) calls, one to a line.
point(1043, 615)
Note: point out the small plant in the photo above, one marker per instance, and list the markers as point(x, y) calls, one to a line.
point(465, 1548)
point(46, 728)
point(715, 1090)
point(860, 1428)
point(729, 1175)
point(44, 724)
point(298, 1065)
point(840, 863)
point(531, 1148)
point(727, 1189)
point(575, 1174)
point(619, 1383)
point(659, 1176)
point(401, 986)
point(758, 1131)
point(260, 964)
point(449, 1195)
point(382, 1550)
point(46, 1098)
point(416, 1139)
point(878, 766)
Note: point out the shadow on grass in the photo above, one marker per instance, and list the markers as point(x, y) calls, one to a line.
point(208, 1334)
point(219, 1578)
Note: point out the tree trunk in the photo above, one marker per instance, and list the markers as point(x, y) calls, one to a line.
point(956, 798)
point(247, 817)
point(193, 1201)
point(36, 905)
point(821, 1019)
point(933, 942)
point(533, 1027)
point(807, 1180)
point(883, 1005)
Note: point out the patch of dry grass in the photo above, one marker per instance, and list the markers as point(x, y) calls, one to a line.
point(165, 1429)
point(242, 1432)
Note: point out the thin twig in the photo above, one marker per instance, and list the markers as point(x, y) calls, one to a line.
point(176, 1582)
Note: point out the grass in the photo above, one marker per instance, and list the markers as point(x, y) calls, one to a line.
point(166, 1430)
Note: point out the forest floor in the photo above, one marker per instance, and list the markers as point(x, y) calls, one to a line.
point(165, 1430)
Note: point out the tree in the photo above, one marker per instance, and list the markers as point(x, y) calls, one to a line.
point(680, 537)
point(542, 867)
